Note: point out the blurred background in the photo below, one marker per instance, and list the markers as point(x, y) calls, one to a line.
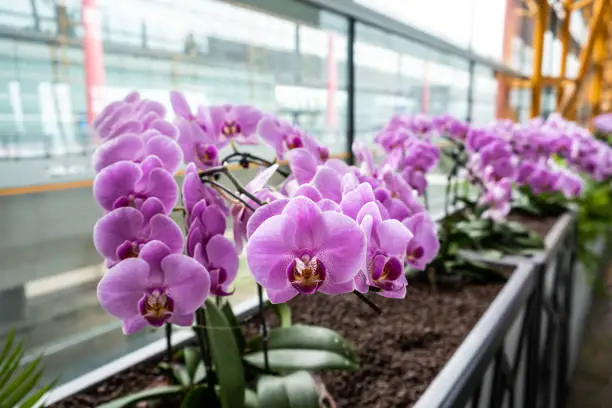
point(338, 68)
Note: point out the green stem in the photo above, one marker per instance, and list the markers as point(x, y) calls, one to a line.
point(168, 332)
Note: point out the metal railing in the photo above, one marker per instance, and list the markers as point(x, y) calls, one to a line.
point(518, 354)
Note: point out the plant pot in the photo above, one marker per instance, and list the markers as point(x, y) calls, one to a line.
point(400, 351)
point(447, 348)
point(528, 325)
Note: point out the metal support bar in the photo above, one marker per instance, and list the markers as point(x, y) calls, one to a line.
point(569, 103)
point(599, 53)
point(564, 36)
point(544, 81)
point(470, 92)
point(580, 4)
point(539, 28)
point(350, 90)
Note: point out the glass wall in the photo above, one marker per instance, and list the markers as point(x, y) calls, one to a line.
point(213, 51)
point(291, 61)
point(416, 79)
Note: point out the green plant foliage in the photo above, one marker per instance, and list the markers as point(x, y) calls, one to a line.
point(190, 371)
point(146, 395)
point(297, 390)
point(228, 312)
point(594, 220)
point(19, 387)
point(303, 347)
point(284, 314)
point(540, 205)
point(226, 357)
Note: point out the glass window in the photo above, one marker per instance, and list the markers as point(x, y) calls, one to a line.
point(396, 75)
point(212, 51)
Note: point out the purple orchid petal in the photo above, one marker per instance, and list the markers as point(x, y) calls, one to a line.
point(221, 253)
point(150, 207)
point(248, 118)
point(161, 184)
point(115, 181)
point(115, 228)
point(165, 230)
point(187, 282)
point(282, 295)
point(272, 132)
point(263, 213)
point(122, 287)
point(328, 183)
point(261, 179)
point(353, 201)
point(128, 148)
point(168, 151)
point(133, 324)
point(164, 128)
point(394, 237)
point(308, 219)
point(328, 205)
point(180, 105)
point(153, 253)
point(309, 191)
point(345, 246)
point(331, 288)
point(269, 252)
point(303, 165)
point(424, 245)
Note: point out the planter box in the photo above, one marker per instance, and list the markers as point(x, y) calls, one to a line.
point(523, 350)
point(526, 325)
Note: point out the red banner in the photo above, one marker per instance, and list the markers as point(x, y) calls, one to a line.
point(93, 56)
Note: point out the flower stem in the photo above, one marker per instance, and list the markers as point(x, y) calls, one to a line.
point(239, 186)
point(251, 158)
point(230, 192)
point(368, 302)
point(264, 328)
point(168, 332)
point(202, 334)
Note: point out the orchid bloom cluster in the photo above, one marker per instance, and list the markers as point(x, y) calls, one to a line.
point(329, 227)
point(603, 123)
point(407, 142)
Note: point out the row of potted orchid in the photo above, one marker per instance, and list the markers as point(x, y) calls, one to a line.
point(328, 227)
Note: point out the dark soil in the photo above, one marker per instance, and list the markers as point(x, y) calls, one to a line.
point(539, 225)
point(400, 351)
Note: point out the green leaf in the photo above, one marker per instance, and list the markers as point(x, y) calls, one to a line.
point(9, 369)
point(304, 337)
point(492, 254)
point(181, 375)
point(287, 360)
point(192, 360)
point(34, 398)
point(198, 397)
point(226, 357)
point(22, 385)
point(297, 390)
point(228, 312)
point(7, 346)
point(146, 395)
point(250, 399)
point(14, 390)
point(284, 314)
